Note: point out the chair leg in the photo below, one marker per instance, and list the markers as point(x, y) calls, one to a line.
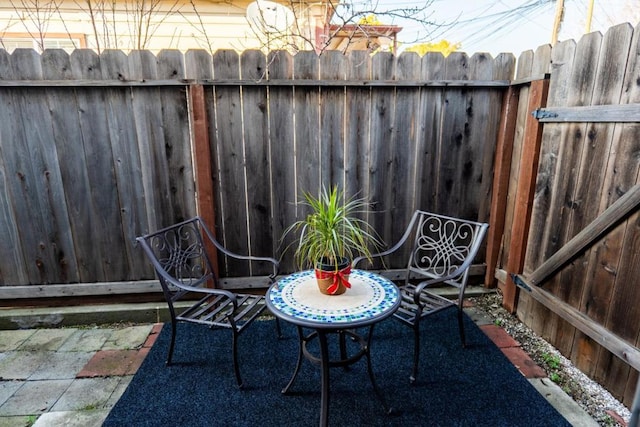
point(173, 341)
point(234, 353)
point(461, 328)
point(416, 353)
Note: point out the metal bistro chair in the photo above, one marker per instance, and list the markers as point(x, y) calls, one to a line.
point(178, 254)
point(441, 253)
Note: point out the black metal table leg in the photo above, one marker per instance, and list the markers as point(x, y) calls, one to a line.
point(378, 392)
point(324, 366)
point(298, 363)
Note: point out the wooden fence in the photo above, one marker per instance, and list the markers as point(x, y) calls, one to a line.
point(585, 141)
point(99, 149)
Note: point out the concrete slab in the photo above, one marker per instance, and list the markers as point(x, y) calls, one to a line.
point(7, 388)
point(128, 338)
point(72, 419)
point(563, 403)
point(117, 393)
point(86, 340)
point(61, 365)
point(20, 365)
point(34, 397)
point(479, 317)
point(47, 339)
point(18, 421)
point(11, 340)
point(87, 394)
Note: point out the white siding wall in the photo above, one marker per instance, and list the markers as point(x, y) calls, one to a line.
point(174, 25)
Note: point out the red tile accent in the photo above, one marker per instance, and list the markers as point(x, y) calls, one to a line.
point(107, 363)
point(523, 362)
point(499, 336)
point(153, 335)
point(137, 360)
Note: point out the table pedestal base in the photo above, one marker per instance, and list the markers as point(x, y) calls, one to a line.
point(326, 362)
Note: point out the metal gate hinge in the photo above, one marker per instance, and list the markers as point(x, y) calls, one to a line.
point(541, 113)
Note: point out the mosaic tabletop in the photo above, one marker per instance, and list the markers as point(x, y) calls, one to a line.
point(296, 298)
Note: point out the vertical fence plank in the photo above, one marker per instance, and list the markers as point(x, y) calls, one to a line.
point(454, 139)
point(309, 175)
point(231, 189)
point(406, 144)
point(333, 66)
point(150, 137)
point(524, 194)
point(69, 142)
point(499, 193)
point(282, 138)
point(45, 213)
point(13, 265)
point(566, 186)
point(357, 133)
point(176, 144)
point(198, 65)
point(537, 65)
point(257, 156)
point(586, 193)
point(607, 296)
point(403, 150)
point(128, 170)
point(432, 68)
point(559, 90)
point(503, 69)
point(475, 156)
point(100, 170)
point(382, 122)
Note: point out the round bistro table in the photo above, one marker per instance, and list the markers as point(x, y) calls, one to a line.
point(297, 300)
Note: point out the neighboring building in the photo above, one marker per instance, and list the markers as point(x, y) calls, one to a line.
point(179, 24)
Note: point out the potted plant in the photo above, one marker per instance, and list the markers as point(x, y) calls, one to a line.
point(331, 236)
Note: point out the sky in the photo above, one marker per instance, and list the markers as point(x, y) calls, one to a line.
point(514, 26)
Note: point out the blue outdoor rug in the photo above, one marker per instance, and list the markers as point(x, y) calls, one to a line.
point(476, 386)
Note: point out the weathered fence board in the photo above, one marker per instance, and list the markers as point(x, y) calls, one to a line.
point(584, 168)
point(127, 166)
point(588, 194)
point(282, 137)
point(258, 164)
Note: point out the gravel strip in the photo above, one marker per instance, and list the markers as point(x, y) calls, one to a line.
point(591, 396)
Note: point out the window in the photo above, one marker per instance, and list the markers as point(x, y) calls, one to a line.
point(68, 42)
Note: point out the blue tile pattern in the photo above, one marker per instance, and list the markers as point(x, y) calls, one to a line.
point(372, 296)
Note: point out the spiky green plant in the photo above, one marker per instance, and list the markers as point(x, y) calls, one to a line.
point(332, 231)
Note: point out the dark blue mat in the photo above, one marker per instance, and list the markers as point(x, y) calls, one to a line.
point(476, 386)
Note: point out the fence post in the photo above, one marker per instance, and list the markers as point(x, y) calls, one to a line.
point(502, 170)
point(525, 191)
point(202, 163)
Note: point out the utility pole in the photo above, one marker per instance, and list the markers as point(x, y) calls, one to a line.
point(556, 22)
point(589, 17)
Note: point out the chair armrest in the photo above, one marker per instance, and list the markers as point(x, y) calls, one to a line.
point(395, 247)
point(275, 264)
point(195, 289)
